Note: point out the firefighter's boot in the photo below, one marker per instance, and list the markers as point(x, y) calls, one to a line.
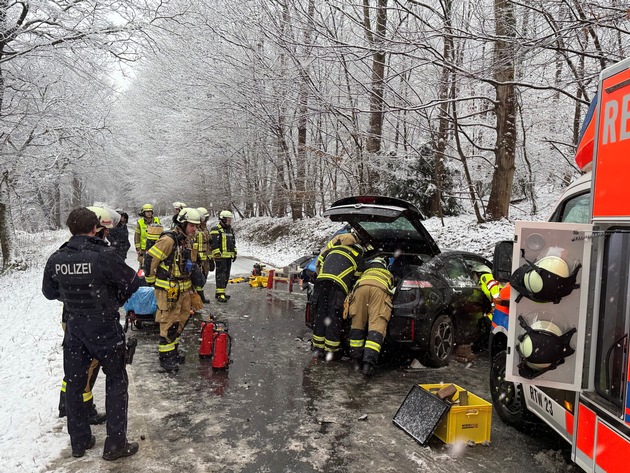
point(203, 297)
point(168, 361)
point(368, 369)
point(222, 298)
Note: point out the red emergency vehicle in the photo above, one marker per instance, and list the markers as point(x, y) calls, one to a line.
point(560, 346)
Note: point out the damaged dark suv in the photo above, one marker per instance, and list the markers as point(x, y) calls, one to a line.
point(437, 302)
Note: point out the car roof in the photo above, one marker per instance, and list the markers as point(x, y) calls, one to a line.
point(385, 223)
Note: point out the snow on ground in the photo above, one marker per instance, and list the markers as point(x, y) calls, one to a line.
point(31, 370)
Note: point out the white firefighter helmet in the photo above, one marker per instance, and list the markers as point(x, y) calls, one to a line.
point(226, 214)
point(554, 264)
point(203, 212)
point(105, 218)
point(188, 215)
point(480, 268)
point(379, 260)
point(526, 347)
point(179, 205)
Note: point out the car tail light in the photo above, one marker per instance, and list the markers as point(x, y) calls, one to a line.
point(408, 284)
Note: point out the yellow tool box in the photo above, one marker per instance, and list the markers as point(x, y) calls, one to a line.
point(469, 421)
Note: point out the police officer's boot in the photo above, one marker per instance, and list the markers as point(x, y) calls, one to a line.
point(94, 418)
point(62, 404)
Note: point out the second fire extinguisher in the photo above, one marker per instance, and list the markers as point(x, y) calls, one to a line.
point(221, 347)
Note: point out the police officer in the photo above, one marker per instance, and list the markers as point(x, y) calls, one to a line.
point(106, 221)
point(170, 271)
point(92, 281)
point(370, 306)
point(223, 250)
point(341, 265)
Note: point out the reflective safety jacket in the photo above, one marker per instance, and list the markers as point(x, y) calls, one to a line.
point(341, 264)
point(201, 245)
point(489, 286)
point(142, 235)
point(222, 242)
point(89, 278)
point(377, 277)
point(168, 261)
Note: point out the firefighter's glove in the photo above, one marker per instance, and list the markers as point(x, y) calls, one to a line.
point(132, 343)
point(188, 266)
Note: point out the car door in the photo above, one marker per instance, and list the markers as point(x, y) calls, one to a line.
point(467, 301)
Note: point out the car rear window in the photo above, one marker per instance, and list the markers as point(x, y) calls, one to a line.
point(401, 228)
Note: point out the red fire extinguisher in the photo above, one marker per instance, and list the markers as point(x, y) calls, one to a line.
point(221, 347)
point(207, 334)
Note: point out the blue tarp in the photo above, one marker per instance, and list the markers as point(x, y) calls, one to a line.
point(142, 301)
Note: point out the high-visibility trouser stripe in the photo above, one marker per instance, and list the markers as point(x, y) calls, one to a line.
point(166, 347)
point(86, 395)
point(318, 342)
point(157, 253)
point(176, 342)
point(220, 290)
point(150, 279)
point(199, 288)
point(373, 346)
point(330, 345)
point(357, 343)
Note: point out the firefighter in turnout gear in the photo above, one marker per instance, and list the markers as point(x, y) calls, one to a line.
point(346, 239)
point(200, 254)
point(170, 272)
point(341, 265)
point(177, 206)
point(223, 251)
point(370, 306)
point(147, 232)
point(93, 282)
point(106, 223)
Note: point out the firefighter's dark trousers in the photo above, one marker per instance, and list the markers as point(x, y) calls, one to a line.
point(328, 316)
point(222, 274)
point(85, 339)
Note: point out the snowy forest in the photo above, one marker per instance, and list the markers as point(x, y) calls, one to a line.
point(279, 107)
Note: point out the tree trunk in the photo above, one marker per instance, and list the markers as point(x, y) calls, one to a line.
point(505, 109)
point(7, 232)
point(376, 40)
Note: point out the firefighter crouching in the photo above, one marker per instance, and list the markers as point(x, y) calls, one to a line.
point(170, 272)
point(143, 234)
point(339, 267)
point(92, 281)
point(370, 306)
point(223, 249)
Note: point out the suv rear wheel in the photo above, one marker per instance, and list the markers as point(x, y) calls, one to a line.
point(441, 342)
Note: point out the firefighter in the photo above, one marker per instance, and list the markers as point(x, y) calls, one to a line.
point(338, 272)
point(106, 222)
point(170, 271)
point(490, 287)
point(177, 206)
point(370, 306)
point(346, 238)
point(200, 251)
point(223, 250)
point(142, 234)
point(119, 236)
point(92, 281)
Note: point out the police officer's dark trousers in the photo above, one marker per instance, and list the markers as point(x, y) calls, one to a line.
point(103, 339)
point(328, 316)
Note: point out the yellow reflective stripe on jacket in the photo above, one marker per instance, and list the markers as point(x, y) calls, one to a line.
point(373, 346)
point(381, 276)
point(183, 284)
point(157, 253)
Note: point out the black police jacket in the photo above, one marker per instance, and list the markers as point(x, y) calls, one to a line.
point(89, 278)
point(119, 239)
